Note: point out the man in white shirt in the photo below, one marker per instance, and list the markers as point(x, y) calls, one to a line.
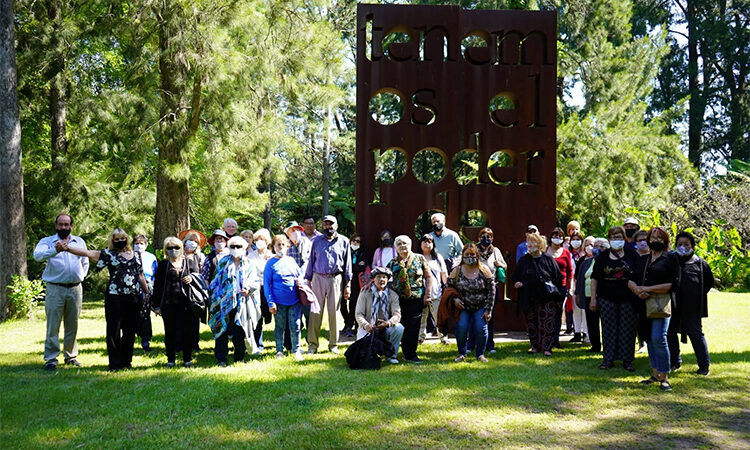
point(63, 276)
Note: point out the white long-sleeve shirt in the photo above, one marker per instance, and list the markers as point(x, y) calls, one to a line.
point(61, 267)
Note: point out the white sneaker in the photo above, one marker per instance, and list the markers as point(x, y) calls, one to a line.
point(643, 349)
point(298, 356)
point(393, 360)
point(279, 355)
point(335, 351)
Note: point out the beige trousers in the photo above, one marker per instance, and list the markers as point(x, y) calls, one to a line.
point(328, 292)
point(62, 305)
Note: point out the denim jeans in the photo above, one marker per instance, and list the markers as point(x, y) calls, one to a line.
point(287, 316)
point(658, 350)
point(478, 325)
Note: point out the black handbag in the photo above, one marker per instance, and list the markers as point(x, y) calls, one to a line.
point(197, 294)
point(551, 292)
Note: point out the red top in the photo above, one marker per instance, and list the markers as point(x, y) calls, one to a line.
point(565, 262)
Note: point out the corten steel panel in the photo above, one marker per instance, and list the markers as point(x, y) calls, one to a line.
point(519, 61)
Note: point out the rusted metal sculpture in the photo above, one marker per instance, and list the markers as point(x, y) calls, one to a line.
point(446, 65)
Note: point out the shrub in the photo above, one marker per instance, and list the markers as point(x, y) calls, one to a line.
point(722, 250)
point(22, 293)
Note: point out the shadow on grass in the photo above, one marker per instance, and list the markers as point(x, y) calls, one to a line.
point(514, 400)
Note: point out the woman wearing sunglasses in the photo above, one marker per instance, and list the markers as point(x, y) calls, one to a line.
point(170, 300)
point(233, 312)
point(122, 303)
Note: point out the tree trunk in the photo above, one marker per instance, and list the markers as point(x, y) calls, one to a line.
point(697, 103)
point(327, 163)
point(267, 211)
point(175, 129)
point(13, 241)
point(57, 94)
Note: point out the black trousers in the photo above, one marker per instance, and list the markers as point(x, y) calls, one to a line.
point(349, 307)
point(178, 325)
point(411, 319)
point(144, 324)
point(690, 324)
point(221, 349)
point(592, 322)
point(121, 313)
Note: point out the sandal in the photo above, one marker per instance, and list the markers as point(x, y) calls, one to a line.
point(665, 386)
point(649, 380)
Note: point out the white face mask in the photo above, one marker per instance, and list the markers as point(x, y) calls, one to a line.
point(575, 243)
point(238, 252)
point(220, 245)
point(589, 250)
point(557, 241)
point(191, 245)
point(260, 244)
point(355, 246)
point(140, 248)
point(617, 244)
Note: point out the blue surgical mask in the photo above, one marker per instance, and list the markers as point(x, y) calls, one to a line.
point(642, 246)
point(684, 251)
point(595, 251)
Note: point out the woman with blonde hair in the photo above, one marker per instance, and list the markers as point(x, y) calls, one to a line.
point(171, 302)
point(126, 289)
point(539, 280)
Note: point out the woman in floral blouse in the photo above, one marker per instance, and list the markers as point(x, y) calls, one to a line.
point(412, 282)
point(122, 302)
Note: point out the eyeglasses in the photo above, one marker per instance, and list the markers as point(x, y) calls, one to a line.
point(235, 246)
point(356, 240)
point(530, 230)
point(173, 248)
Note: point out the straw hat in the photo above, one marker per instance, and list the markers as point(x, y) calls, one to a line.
point(201, 236)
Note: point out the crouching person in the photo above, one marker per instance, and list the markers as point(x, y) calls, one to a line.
point(378, 311)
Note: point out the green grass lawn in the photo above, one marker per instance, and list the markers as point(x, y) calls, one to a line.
point(516, 400)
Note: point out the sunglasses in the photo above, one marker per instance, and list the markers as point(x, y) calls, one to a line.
point(173, 248)
point(530, 230)
point(235, 246)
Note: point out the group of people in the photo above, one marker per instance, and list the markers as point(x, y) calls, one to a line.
point(250, 277)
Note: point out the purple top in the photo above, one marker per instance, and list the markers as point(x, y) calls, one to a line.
point(330, 257)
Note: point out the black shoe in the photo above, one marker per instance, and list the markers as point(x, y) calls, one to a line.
point(170, 364)
point(414, 360)
point(676, 367)
point(665, 386)
point(73, 362)
point(188, 365)
point(577, 338)
point(222, 363)
point(568, 332)
point(146, 346)
point(605, 365)
point(703, 371)
point(558, 345)
point(628, 366)
point(649, 380)
point(594, 350)
point(50, 367)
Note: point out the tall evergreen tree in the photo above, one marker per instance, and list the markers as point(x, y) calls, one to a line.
point(13, 242)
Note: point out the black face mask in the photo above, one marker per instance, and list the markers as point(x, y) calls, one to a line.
point(629, 232)
point(119, 245)
point(386, 243)
point(485, 241)
point(329, 232)
point(63, 233)
point(437, 227)
point(657, 246)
